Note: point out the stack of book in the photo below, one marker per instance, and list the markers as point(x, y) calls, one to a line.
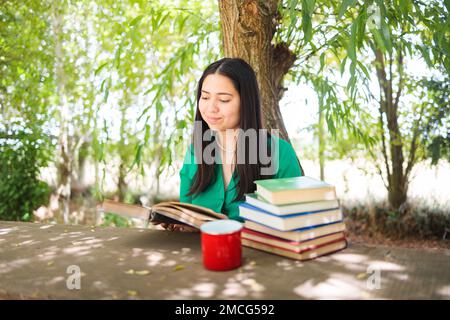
point(298, 217)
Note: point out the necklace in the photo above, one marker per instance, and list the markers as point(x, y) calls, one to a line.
point(223, 148)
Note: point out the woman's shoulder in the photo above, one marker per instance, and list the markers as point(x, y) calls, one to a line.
point(283, 145)
point(286, 160)
point(189, 166)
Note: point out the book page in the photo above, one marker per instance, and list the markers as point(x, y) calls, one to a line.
point(180, 216)
point(191, 209)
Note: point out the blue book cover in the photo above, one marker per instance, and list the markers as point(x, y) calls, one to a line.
point(249, 206)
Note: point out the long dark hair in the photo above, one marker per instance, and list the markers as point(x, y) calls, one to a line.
point(244, 80)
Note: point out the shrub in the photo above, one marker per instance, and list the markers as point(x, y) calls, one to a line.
point(22, 154)
point(412, 220)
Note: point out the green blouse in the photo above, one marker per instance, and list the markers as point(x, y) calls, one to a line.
point(215, 197)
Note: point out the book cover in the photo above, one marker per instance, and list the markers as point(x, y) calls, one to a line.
point(294, 190)
point(291, 221)
point(257, 201)
point(297, 246)
point(302, 256)
point(301, 234)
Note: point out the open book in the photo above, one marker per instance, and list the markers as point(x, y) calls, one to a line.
point(164, 212)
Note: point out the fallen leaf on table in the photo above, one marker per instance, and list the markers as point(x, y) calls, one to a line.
point(132, 293)
point(362, 276)
point(142, 272)
point(138, 272)
point(178, 267)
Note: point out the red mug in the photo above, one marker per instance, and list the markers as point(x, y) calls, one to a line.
point(221, 245)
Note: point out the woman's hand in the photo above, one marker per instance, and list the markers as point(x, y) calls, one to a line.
point(176, 227)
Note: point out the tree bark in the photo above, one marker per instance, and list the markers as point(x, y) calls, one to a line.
point(397, 180)
point(248, 27)
point(121, 184)
point(320, 134)
point(64, 161)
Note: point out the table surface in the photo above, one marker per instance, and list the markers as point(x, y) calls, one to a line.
point(128, 263)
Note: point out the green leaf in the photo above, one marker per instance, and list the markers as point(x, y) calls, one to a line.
point(447, 5)
point(343, 65)
point(330, 125)
point(322, 61)
point(364, 69)
point(307, 10)
point(181, 24)
point(147, 133)
point(100, 68)
point(425, 55)
point(379, 43)
point(136, 20)
point(181, 124)
point(117, 55)
point(361, 27)
point(138, 155)
point(386, 35)
point(155, 19)
point(106, 93)
point(292, 8)
point(405, 6)
point(344, 5)
point(351, 50)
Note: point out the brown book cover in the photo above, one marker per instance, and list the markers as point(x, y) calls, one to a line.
point(164, 212)
point(308, 254)
point(303, 234)
point(297, 246)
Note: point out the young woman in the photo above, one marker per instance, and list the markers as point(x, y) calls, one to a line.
point(228, 107)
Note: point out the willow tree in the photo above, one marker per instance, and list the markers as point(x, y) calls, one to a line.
point(158, 51)
point(365, 38)
point(279, 40)
point(292, 41)
point(74, 96)
point(393, 34)
point(26, 87)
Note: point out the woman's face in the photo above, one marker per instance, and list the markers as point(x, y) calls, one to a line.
point(220, 103)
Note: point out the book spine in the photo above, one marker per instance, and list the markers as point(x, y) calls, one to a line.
point(299, 251)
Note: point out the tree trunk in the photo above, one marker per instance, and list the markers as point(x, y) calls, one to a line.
point(397, 184)
point(64, 162)
point(248, 27)
point(320, 134)
point(122, 185)
point(397, 180)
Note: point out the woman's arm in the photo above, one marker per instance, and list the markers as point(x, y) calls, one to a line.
point(185, 177)
point(185, 185)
